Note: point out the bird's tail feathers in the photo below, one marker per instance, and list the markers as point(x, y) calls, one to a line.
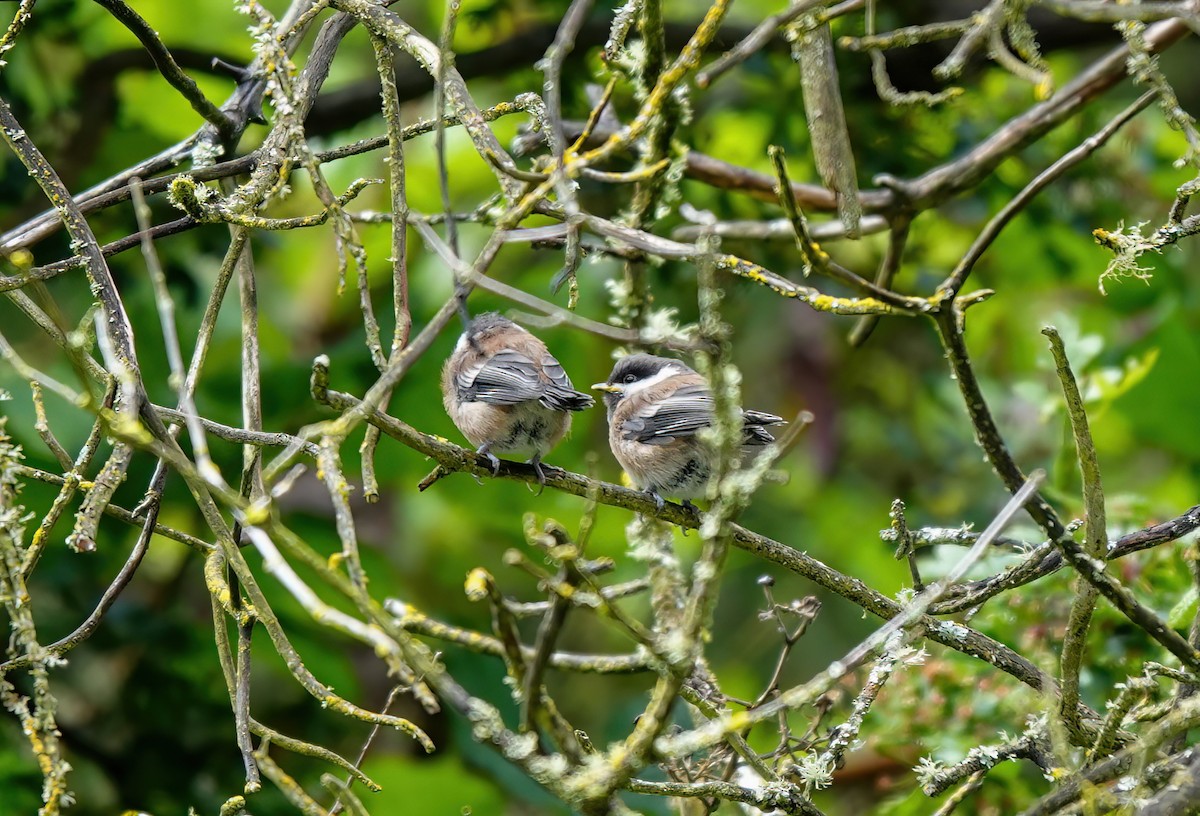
point(753, 432)
point(566, 399)
point(762, 418)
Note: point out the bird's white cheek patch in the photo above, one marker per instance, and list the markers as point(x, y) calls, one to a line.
point(649, 382)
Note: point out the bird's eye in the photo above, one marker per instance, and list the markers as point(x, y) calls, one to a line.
point(629, 378)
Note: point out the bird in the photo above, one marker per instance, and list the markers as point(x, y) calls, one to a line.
point(507, 393)
point(656, 406)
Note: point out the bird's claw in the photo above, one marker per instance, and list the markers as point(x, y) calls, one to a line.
point(492, 460)
point(536, 461)
point(659, 502)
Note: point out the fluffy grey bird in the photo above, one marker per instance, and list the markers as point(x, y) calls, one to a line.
point(506, 392)
point(655, 407)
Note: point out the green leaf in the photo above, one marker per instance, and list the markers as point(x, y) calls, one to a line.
point(1184, 610)
point(1109, 383)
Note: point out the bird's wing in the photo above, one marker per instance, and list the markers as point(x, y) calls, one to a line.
point(505, 378)
point(683, 413)
point(560, 394)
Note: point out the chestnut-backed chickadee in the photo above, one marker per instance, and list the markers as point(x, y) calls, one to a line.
point(507, 393)
point(655, 408)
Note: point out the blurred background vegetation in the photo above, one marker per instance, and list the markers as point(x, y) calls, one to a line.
point(143, 710)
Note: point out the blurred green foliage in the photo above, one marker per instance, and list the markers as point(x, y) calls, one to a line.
point(144, 713)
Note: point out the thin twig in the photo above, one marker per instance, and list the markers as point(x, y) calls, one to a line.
point(167, 66)
point(1095, 535)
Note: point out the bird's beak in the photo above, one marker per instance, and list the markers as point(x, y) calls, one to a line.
point(608, 388)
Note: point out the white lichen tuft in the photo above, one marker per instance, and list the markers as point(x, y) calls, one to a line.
point(661, 327)
point(548, 770)
point(951, 631)
point(816, 771)
point(206, 153)
point(927, 771)
point(748, 778)
point(705, 571)
point(520, 747)
point(514, 688)
point(1128, 245)
point(486, 723)
point(621, 299)
point(675, 647)
point(590, 775)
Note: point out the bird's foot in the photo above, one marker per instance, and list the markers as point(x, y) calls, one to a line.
point(694, 510)
point(659, 502)
point(485, 451)
point(536, 461)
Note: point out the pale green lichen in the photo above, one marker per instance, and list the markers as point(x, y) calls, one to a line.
point(621, 299)
point(815, 771)
point(909, 656)
point(623, 20)
point(660, 327)
point(36, 709)
point(927, 771)
point(206, 153)
point(549, 769)
point(676, 647)
point(1127, 245)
